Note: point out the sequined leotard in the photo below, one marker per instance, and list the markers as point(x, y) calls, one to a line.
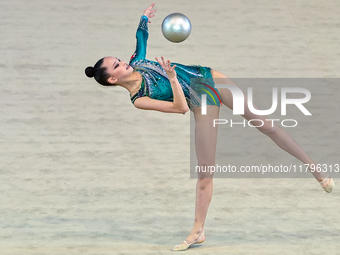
point(194, 80)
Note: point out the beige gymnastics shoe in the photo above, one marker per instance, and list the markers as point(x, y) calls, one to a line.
point(330, 186)
point(185, 246)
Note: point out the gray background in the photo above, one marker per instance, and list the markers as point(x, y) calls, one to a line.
point(84, 172)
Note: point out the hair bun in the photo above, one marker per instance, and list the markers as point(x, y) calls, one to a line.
point(89, 71)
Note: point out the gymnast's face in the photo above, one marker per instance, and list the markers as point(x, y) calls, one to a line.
point(117, 69)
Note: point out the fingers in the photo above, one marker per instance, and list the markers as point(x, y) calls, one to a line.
point(149, 13)
point(165, 64)
point(158, 60)
point(161, 63)
point(152, 5)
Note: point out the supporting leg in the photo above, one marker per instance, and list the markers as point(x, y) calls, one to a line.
point(205, 142)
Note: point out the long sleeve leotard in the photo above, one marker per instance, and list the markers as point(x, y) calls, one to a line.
point(194, 79)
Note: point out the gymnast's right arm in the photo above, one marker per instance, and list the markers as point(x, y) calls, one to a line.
point(179, 103)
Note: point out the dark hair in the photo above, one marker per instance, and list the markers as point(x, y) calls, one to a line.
point(99, 73)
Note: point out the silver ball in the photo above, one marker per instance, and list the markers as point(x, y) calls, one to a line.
point(176, 27)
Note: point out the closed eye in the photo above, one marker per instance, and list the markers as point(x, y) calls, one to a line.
point(117, 64)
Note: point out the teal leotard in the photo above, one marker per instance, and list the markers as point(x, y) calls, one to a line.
point(195, 80)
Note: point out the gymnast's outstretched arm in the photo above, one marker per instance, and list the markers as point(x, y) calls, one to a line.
point(142, 33)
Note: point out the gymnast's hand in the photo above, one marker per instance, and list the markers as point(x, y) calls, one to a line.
point(148, 12)
point(170, 70)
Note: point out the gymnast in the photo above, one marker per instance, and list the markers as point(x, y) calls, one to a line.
point(164, 86)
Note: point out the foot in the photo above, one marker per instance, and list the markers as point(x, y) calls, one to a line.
point(327, 184)
point(193, 238)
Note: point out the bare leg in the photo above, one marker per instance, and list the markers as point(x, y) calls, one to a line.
point(277, 134)
point(205, 141)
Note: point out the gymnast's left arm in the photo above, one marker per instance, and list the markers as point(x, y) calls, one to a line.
point(143, 33)
point(149, 12)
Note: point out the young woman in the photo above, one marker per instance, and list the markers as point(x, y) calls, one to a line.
point(165, 87)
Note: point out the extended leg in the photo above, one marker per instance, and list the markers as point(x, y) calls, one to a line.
point(277, 134)
point(205, 142)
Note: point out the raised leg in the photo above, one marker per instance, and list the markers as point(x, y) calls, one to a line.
point(277, 134)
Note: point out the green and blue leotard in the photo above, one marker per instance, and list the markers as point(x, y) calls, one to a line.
point(195, 80)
